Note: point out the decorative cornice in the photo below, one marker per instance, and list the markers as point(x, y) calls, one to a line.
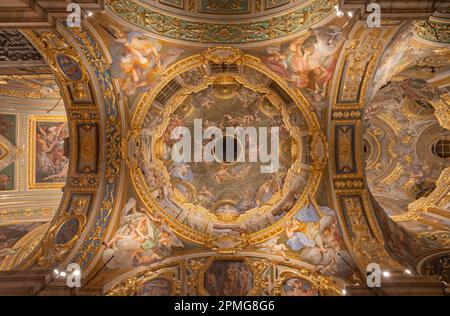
point(442, 110)
point(224, 33)
point(435, 29)
point(40, 14)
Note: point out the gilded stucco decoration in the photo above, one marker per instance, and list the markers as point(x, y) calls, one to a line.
point(256, 222)
point(180, 28)
point(348, 96)
point(435, 29)
point(67, 51)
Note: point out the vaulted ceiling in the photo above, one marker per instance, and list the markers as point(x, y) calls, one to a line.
point(359, 110)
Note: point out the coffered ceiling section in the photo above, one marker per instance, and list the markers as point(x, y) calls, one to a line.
point(17, 51)
point(38, 13)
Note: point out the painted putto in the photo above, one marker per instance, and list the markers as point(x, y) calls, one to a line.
point(138, 60)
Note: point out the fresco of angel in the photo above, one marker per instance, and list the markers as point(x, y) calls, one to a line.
point(51, 164)
point(203, 99)
point(138, 60)
point(313, 232)
point(141, 239)
point(205, 197)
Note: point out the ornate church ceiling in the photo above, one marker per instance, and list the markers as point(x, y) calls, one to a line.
point(32, 129)
point(200, 25)
point(361, 115)
point(403, 126)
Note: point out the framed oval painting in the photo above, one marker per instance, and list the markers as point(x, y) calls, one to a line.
point(69, 67)
point(67, 231)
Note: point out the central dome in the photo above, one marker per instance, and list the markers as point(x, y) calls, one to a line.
point(223, 148)
point(231, 188)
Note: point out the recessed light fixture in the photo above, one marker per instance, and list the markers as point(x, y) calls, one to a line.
point(386, 274)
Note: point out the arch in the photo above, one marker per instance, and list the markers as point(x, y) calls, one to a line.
point(91, 191)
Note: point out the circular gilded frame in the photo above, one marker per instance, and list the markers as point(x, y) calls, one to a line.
point(319, 148)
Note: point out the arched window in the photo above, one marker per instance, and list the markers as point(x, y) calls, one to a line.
point(442, 148)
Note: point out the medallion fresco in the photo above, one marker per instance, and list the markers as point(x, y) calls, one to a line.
point(298, 287)
point(69, 67)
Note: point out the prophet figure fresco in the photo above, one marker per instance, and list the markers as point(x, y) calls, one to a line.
point(8, 151)
point(314, 237)
point(228, 278)
point(51, 164)
point(155, 287)
point(298, 287)
point(138, 60)
point(141, 239)
point(314, 233)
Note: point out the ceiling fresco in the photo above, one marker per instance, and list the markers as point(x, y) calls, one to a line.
point(226, 148)
point(402, 124)
point(32, 159)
